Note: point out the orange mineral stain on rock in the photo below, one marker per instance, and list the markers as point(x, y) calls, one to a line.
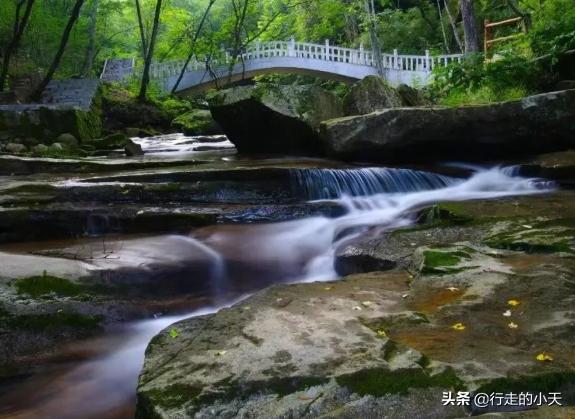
point(430, 300)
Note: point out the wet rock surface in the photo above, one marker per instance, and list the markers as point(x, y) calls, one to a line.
point(478, 298)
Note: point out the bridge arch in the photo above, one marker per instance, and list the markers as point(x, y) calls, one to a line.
point(323, 60)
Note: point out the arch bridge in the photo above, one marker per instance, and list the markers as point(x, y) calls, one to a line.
point(323, 60)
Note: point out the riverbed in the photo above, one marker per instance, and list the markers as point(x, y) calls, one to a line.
point(272, 221)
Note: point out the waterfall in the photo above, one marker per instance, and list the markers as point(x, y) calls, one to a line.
point(305, 248)
point(335, 183)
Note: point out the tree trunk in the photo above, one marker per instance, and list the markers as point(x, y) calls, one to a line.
point(376, 50)
point(442, 28)
point(19, 26)
point(194, 39)
point(469, 26)
point(91, 50)
point(453, 26)
point(150, 53)
point(142, 31)
point(63, 42)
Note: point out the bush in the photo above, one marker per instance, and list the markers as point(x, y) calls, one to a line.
point(475, 81)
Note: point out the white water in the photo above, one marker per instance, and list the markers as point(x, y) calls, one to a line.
point(304, 247)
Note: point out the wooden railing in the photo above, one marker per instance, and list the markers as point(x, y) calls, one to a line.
point(489, 40)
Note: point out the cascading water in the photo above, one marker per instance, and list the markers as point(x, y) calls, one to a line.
point(335, 183)
point(303, 249)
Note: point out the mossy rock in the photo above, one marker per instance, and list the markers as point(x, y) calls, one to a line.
point(371, 94)
point(439, 261)
point(557, 236)
point(110, 142)
point(379, 382)
point(38, 286)
point(275, 119)
point(197, 122)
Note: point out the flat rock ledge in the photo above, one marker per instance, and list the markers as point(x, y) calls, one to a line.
point(380, 344)
point(535, 124)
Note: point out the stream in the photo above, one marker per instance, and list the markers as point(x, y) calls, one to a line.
point(98, 377)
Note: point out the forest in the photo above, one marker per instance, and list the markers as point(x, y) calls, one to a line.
point(34, 33)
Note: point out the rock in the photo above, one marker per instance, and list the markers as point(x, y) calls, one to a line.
point(40, 149)
point(109, 142)
point(67, 140)
point(197, 122)
point(410, 96)
point(56, 147)
point(133, 149)
point(372, 342)
point(121, 110)
point(558, 166)
point(535, 124)
point(370, 94)
point(15, 148)
point(274, 119)
point(359, 259)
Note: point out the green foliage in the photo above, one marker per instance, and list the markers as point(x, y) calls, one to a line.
point(553, 27)
point(173, 106)
point(336, 87)
point(410, 26)
point(476, 82)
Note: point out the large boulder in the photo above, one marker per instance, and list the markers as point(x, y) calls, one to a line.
point(370, 94)
point(197, 122)
point(274, 119)
point(68, 140)
point(540, 123)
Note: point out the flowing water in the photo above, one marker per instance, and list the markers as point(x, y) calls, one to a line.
point(104, 384)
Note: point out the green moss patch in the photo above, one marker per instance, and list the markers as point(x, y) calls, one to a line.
point(441, 262)
point(444, 215)
point(174, 395)
point(378, 381)
point(38, 286)
point(556, 236)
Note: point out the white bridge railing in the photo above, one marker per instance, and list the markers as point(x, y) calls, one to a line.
point(304, 50)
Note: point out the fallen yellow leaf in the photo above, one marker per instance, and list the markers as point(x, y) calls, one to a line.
point(381, 333)
point(513, 302)
point(458, 326)
point(543, 356)
point(512, 325)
